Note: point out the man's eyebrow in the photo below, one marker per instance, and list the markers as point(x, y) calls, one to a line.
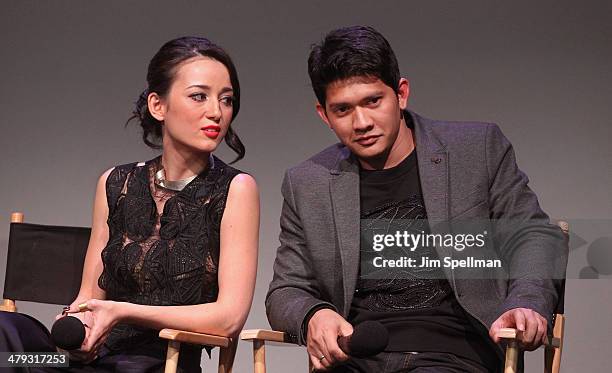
point(372, 95)
point(337, 105)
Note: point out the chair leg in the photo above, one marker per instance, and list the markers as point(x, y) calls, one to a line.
point(259, 356)
point(172, 356)
point(512, 353)
point(552, 355)
point(226, 356)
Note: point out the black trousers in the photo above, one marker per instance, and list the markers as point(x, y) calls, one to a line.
point(23, 333)
point(413, 362)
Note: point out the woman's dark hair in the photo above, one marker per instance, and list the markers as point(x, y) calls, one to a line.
point(356, 51)
point(160, 75)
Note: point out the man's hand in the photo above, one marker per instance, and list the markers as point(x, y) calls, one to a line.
point(531, 323)
point(324, 328)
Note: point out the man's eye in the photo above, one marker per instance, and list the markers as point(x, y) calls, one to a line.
point(198, 97)
point(374, 100)
point(342, 109)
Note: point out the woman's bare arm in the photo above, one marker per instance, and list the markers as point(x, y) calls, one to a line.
point(92, 268)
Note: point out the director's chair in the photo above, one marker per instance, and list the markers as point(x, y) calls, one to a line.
point(552, 352)
point(554, 343)
point(38, 253)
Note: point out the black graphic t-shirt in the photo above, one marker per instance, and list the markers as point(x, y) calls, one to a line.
point(417, 306)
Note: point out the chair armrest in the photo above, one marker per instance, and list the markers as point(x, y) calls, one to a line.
point(265, 335)
point(515, 334)
point(194, 338)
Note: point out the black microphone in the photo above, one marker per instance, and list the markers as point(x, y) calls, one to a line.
point(68, 333)
point(368, 338)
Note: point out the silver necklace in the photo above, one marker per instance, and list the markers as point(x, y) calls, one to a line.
point(177, 185)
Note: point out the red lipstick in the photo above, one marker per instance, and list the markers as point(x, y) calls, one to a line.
point(212, 131)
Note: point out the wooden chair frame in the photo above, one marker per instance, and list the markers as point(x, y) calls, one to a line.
point(553, 345)
point(227, 345)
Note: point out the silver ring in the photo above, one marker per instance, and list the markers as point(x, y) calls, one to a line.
point(322, 357)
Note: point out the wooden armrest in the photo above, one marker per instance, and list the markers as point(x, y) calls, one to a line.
point(195, 338)
point(509, 333)
point(265, 335)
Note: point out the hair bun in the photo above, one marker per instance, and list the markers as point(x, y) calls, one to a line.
point(142, 105)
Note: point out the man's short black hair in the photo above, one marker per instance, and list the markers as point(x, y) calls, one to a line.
point(348, 52)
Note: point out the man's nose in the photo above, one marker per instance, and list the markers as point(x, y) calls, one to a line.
point(361, 121)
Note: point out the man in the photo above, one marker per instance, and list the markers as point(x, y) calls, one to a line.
point(392, 162)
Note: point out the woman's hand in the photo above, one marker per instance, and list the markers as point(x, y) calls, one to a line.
point(87, 319)
point(100, 317)
point(73, 306)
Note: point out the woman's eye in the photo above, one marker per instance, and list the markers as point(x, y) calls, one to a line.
point(227, 100)
point(198, 96)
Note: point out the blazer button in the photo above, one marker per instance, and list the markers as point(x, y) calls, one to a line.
point(436, 160)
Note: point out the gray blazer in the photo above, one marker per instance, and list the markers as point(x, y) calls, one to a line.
point(467, 170)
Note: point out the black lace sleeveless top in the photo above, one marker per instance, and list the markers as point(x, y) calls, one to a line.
point(163, 246)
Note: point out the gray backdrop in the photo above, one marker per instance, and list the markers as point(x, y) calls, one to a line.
point(72, 70)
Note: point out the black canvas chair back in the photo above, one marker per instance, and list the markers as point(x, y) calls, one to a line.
point(45, 263)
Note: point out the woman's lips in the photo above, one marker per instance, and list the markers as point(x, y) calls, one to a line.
point(211, 131)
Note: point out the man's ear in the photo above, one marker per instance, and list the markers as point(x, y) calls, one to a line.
point(403, 91)
point(323, 114)
point(156, 106)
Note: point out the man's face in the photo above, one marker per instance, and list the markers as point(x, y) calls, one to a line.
point(365, 115)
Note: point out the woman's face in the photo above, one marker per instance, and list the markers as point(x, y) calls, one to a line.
point(197, 110)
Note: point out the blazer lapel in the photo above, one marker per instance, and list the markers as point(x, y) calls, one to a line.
point(433, 165)
point(344, 190)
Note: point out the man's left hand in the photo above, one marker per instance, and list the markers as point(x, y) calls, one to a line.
point(532, 324)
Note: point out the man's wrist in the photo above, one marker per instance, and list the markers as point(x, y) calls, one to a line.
point(309, 316)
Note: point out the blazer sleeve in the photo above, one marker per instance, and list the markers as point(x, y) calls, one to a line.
point(533, 250)
point(293, 292)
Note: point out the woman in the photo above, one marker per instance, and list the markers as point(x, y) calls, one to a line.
point(174, 239)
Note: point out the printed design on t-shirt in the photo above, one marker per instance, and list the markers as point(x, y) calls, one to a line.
point(406, 289)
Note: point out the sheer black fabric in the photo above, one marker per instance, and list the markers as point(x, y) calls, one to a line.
point(163, 246)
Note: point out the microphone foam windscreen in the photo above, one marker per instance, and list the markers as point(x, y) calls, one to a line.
point(369, 338)
point(68, 333)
